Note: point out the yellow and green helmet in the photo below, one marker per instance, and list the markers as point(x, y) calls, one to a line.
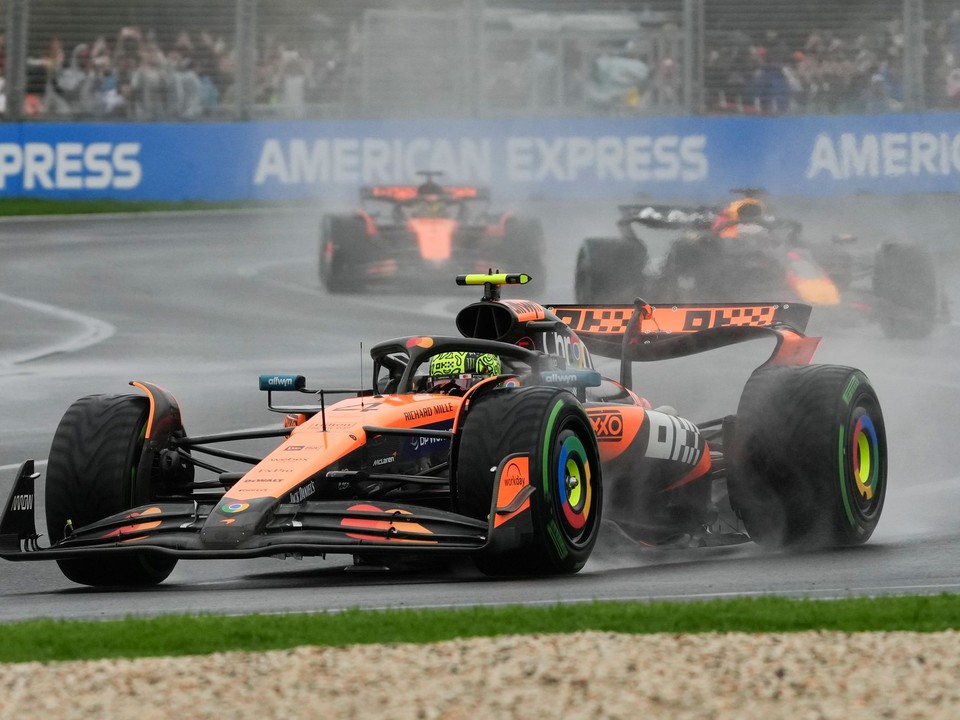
point(456, 363)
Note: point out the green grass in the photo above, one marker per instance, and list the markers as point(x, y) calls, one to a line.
point(47, 640)
point(38, 206)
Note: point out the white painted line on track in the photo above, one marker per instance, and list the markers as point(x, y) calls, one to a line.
point(93, 331)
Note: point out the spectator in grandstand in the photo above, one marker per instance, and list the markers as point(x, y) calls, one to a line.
point(727, 68)
point(211, 62)
point(292, 84)
point(878, 97)
point(148, 83)
point(768, 90)
point(3, 74)
point(185, 99)
point(76, 89)
point(327, 82)
point(619, 83)
point(943, 88)
point(41, 93)
point(666, 86)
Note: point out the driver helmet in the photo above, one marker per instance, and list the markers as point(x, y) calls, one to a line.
point(430, 195)
point(746, 209)
point(432, 207)
point(464, 369)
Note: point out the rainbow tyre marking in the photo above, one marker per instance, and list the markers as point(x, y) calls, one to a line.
point(866, 457)
point(574, 483)
point(862, 472)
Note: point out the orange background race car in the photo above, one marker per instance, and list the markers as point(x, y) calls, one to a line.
point(418, 233)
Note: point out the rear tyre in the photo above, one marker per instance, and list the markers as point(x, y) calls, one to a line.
point(551, 427)
point(342, 240)
point(905, 278)
point(92, 474)
point(808, 458)
point(609, 271)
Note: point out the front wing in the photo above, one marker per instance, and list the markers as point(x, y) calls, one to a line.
point(309, 528)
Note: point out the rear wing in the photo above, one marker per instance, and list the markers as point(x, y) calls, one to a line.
point(642, 332)
point(407, 193)
point(680, 217)
point(669, 216)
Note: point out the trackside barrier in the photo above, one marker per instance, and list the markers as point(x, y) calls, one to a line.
point(550, 159)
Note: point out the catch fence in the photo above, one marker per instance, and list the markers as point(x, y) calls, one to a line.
point(177, 60)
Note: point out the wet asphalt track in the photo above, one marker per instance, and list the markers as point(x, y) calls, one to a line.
point(202, 304)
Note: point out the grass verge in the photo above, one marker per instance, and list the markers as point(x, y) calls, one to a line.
point(49, 640)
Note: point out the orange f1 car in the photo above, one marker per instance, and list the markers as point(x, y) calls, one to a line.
point(416, 233)
point(504, 445)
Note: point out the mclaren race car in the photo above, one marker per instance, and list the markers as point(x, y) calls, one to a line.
point(741, 252)
point(424, 232)
point(504, 445)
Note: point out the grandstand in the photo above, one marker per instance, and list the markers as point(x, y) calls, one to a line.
point(162, 60)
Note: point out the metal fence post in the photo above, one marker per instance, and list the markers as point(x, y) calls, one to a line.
point(693, 59)
point(246, 45)
point(17, 12)
point(913, 58)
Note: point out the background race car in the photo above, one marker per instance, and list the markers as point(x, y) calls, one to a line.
point(741, 252)
point(422, 232)
point(504, 445)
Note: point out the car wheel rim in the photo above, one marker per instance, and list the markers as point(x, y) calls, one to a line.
point(862, 470)
point(574, 478)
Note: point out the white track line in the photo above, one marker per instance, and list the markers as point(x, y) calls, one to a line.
point(93, 331)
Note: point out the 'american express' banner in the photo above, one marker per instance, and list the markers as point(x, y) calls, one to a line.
point(588, 158)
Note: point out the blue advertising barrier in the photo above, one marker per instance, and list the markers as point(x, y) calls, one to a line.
point(553, 159)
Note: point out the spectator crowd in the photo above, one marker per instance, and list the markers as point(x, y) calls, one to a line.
point(194, 77)
point(830, 71)
point(135, 76)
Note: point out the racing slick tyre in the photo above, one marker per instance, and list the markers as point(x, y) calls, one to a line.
point(551, 428)
point(91, 474)
point(524, 237)
point(905, 277)
point(807, 462)
point(342, 240)
point(609, 271)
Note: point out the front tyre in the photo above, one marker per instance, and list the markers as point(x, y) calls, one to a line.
point(551, 427)
point(808, 458)
point(343, 239)
point(92, 474)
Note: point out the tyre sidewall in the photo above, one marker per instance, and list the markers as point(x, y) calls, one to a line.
point(537, 422)
point(804, 435)
point(92, 474)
